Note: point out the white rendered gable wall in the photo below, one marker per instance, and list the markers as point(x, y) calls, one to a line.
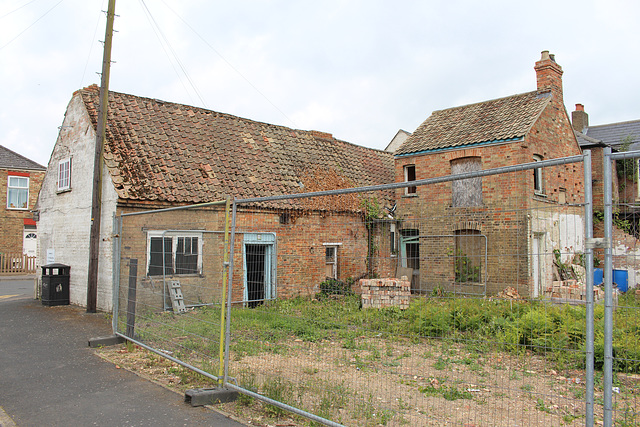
point(65, 217)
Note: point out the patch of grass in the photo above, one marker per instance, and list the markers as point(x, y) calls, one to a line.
point(447, 392)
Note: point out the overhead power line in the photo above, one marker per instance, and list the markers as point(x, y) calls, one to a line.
point(34, 22)
point(231, 65)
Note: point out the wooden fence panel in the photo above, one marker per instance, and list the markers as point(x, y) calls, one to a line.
point(17, 263)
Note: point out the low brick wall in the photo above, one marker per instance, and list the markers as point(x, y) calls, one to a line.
point(378, 293)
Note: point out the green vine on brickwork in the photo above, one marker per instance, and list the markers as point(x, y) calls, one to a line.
point(626, 168)
point(619, 223)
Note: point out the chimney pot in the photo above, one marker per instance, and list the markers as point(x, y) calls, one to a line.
point(579, 107)
point(545, 55)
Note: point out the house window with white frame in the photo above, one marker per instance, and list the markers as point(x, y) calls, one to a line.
point(18, 192)
point(538, 184)
point(174, 253)
point(410, 175)
point(64, 175)
point(331, 260)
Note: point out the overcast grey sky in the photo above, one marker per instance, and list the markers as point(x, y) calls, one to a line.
point(358, 69)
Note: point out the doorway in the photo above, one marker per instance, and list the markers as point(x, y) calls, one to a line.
point(259, 268)
point(537, 255)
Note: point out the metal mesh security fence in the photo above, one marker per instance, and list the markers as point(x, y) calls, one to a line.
point(171, 291)
point(466, 299)
point(459, 301)
point(618, 348)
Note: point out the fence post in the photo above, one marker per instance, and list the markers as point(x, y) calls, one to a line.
point(117, 251)
point(131, 305)
point(588, 225)
point(608, 291)
point(229, 292)
point(223, 296)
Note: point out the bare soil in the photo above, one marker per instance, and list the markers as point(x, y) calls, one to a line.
point(381, 382)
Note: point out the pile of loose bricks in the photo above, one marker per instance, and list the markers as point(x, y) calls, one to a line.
point(379, 293)
point(572, 289)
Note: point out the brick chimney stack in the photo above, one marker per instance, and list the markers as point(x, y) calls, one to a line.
point(549, 76)
point(579, 118)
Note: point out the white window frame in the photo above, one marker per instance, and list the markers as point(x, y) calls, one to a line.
point(17, 190)
point(538, 182)
point(174, 236)
point(64, 174)
point(409, 190)
point(334, 261)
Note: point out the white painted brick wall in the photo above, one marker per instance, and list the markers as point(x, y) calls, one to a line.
point(65, 218)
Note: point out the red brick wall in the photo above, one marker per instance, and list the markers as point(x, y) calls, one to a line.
point(12, 220)
point(506, 199)
point(299, 249)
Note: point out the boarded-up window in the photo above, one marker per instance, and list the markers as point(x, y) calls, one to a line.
point(466, 192)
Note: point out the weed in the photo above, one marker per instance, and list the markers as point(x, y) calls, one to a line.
point(540, 406)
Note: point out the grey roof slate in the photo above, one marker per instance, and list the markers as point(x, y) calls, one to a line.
point(615, 134)
point(587, 141)
point(12, 160)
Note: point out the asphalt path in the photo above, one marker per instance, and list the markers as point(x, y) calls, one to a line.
point(49, 375)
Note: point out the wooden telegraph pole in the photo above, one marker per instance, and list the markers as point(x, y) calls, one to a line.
point(96, 201)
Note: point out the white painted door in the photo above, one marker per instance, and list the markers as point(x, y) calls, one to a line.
point(30, 242)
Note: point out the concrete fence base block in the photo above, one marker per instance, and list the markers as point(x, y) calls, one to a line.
point(105, 341)
point(209, 396)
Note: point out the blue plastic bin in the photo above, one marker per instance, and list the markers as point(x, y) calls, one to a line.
point(621, 278)
point(598, 276)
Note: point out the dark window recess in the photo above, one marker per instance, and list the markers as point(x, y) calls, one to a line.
point(256, 255)
point(285, 218)
point(410, 175)
point(155, 258)
point(412, 248)
point(187, 255)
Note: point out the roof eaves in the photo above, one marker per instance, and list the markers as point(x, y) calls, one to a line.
point(459, 147)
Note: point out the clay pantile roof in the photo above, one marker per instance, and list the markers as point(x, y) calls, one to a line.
point(12, 160)
point(501, 119)
point(162, 151)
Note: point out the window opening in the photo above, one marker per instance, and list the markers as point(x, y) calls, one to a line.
point(537, 176)
point(466, 192)
point(468, 256)
point(179, 253)
point(410, 175)
point(64, 175)
point(331, 261)
point(18, 192)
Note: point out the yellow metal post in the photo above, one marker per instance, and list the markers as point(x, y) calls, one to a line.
point(225, 275)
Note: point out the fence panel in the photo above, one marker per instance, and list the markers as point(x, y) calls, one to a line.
point(619, 347)
point(422, 307)
point(17, 263)
point(172, 284)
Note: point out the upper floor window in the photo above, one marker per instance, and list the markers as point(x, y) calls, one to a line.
point(64, 175)
point(18, 192)
point(466, 192)
point(537, 176)
point(409, 175)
